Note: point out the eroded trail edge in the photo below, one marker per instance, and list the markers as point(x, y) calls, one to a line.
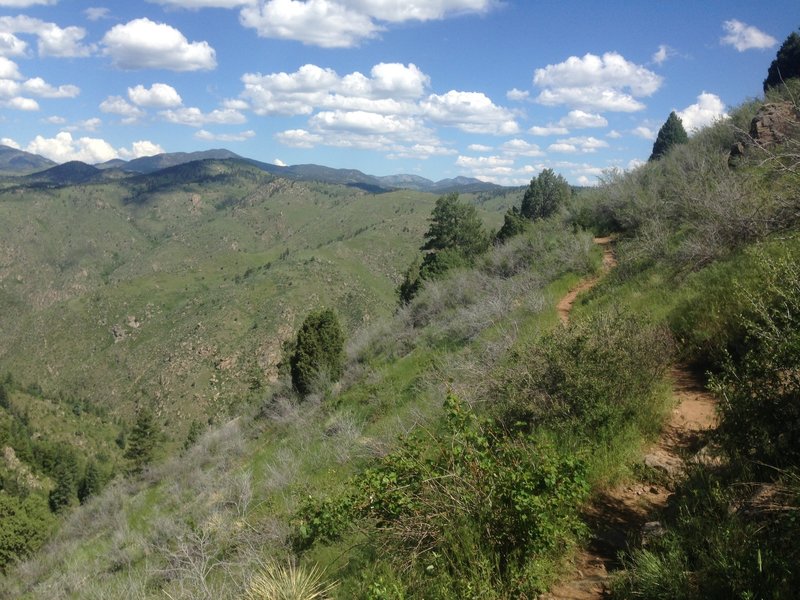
point(630, 510)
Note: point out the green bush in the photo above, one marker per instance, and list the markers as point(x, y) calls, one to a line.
point(25, 524)
point(475, 495)
point(318, 351)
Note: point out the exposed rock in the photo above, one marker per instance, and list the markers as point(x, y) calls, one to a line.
point(662, 461)
point(773, 123)
point(651, 531)
point(119, 333)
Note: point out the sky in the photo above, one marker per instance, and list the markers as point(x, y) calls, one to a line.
point(493, 89)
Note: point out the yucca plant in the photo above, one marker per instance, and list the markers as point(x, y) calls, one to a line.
point(278, 581)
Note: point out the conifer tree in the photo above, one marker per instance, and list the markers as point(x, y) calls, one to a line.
point(91, 483)
point(545, 195)
point(141, 441)
point(786, 64)
point(319, 349)
point(670, 134)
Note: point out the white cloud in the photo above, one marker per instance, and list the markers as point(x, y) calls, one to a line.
point(140, 149)
point(517, 95)
point(604, 83)
point(278, 162)
point(635, 163)
point(390, 89)
point(52, 39)
point(9, 69)
point(342, 23)
point(117, 105)
point(548, 130)
point(745, 37)
point(195, 4)
point(225, 137)
point(10, 143)
point(55, 120)
point(26, 3)
point(159, 95)
point(579, 119)
point(707, 109)
point(144, 44)
point(87, 125)
point(363, 122)
point(39, 87)
point(644, 132)
point(479, 148)
point(298, 138)
point(11, 45)
point(661, 55)
point(518, 147)
point(97, 13)
point(614, 134)
point(472, 112)
point(21, 103)
point(578, 144)
point(63, 148)
point(194, 117)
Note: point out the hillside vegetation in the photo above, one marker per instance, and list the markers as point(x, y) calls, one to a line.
point(470, 430)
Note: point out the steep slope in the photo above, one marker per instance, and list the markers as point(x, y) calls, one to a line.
point(19, 162)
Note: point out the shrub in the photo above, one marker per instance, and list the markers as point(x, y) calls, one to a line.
point(319, 349)
point(288, 582)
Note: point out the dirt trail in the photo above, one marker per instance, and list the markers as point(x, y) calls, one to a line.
point(630, 509)
point(564, 305)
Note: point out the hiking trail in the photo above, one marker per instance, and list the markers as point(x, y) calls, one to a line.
point(633, 508)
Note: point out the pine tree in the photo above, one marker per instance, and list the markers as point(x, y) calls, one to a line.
point(91, 483)
point(545, 195)
point(670, 134)
point(786, 64)
point(141, 442)
point(319, 349)
point(513, 224)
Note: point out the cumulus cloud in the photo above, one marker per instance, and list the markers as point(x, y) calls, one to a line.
point(9, 69)
point(158, 95)
point(602, 83)
point(577, 144)
point(194, 117)
point(578, 119)
point(644, 132)
point(517, 95)
point(298, 138)
point(194, 4)
point(614, 134)
point(661, 55)
point(472, 112)
point(26, 3)
point(341, 23)
point(52, 40)
point(39, 87)
point(117, 105)
point(10, 143)
point(544, 130)
point(63, 148)
point(745, 37)
point(479, 148)
point(225, 137)
point(97, 13)
point(388, 90)
point(707, 109)
point(518, 147)
point(11, 45)
point(144, 44)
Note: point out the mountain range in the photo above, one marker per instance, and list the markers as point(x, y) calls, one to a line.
point(35, 169)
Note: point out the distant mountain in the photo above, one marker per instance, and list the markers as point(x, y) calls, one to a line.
point(19, 162)
point(68, 173)
point(25, 163)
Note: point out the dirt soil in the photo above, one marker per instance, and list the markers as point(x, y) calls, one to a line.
point(629, 510)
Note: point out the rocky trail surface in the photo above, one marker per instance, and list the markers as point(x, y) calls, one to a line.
point(631, 510)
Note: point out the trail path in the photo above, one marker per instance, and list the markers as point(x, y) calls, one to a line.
point(627, 510)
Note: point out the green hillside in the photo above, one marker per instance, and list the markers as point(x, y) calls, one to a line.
point(474, 436)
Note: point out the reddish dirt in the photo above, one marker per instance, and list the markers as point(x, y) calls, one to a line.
point(564, 305)
point(621, 512)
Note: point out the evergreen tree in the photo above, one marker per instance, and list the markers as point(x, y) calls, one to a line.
point(63, 494)
point(4, 397)
point(456, 228)
point(195, 429)
point(545, 195)
point(24, 526)
point(319, 348)
point(141, 442)
point(670, 134)
point(513, 224)
point(91, 483)
point(786, 64)
point(412, 282)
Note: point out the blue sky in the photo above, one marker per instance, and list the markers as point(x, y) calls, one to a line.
point(494, 89)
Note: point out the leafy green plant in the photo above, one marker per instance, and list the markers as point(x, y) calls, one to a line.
point(319, 350)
